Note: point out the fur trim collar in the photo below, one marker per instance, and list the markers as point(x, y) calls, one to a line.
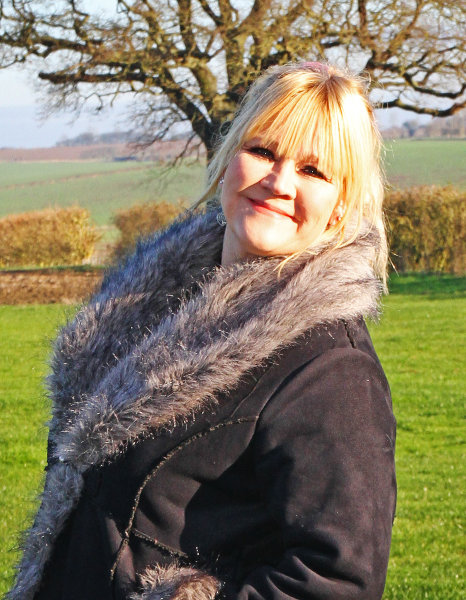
point(175, 582)
point(167, 332)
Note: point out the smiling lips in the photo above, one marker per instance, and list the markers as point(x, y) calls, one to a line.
point(265, 207)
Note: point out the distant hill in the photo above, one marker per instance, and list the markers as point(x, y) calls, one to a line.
point(450, 128)
point(91, 139)
point(159, 151)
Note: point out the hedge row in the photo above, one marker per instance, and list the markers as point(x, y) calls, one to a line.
point(141, 220)
point(46, 238)
point(426, 227)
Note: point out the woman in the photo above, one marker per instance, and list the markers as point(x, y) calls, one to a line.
point(221, 423)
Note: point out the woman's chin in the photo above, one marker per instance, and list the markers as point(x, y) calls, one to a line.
point(265, 247)
point(264, 239)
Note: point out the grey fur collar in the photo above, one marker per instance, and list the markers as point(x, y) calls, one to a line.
point(167, 332)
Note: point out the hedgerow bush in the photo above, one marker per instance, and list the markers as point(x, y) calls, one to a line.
point(46, 238)
point(141, 220)
point(426, 227)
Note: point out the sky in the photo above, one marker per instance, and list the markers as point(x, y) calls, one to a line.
point(21, 124)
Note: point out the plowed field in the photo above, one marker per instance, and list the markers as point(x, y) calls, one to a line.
point(47, 286)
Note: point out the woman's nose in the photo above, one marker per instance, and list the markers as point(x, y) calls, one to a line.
point(280, 180)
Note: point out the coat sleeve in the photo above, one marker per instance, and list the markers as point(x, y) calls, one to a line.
point(324, 452)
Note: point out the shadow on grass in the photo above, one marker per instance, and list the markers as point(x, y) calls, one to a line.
point(432, 285)
point(76, 268)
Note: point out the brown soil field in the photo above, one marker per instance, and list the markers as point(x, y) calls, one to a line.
point(48, 286)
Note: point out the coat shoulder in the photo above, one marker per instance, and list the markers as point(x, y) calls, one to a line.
point(332, 376)
point(349, 341)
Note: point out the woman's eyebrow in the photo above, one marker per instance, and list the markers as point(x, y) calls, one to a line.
point(310, 159)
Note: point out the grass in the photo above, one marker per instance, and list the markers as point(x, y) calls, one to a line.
point(428, 285)
point(101, 187)
point(419, 343)
point(27, 173)
point(23, 348)
point(425, 162)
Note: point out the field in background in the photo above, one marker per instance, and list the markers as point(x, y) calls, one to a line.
point(104, 187)
point(418, 341)
point(425, 162)
point(101, 187)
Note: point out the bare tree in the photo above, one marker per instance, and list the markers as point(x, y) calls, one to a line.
point(191, 60)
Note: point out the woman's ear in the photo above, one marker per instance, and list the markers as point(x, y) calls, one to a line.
point(337, 214)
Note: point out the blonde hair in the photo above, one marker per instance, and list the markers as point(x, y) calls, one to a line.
point(315, 108)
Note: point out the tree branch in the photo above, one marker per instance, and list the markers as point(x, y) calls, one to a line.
point(199, 56)
point(210, 13)
point(434, 112)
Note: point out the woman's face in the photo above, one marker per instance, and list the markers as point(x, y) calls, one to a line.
point(274, 205)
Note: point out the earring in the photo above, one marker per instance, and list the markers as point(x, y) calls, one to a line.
point(220, 181)
point(221, 219)
point(337, 216)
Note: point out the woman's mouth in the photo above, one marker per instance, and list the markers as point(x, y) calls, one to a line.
point(269, 209)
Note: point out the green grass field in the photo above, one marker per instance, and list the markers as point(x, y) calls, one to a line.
point(419, 343)
point(104, 187)
point(425, 162)
point(100, 187)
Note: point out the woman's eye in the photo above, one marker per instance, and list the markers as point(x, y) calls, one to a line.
point(261, 151)
point(313, 172)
